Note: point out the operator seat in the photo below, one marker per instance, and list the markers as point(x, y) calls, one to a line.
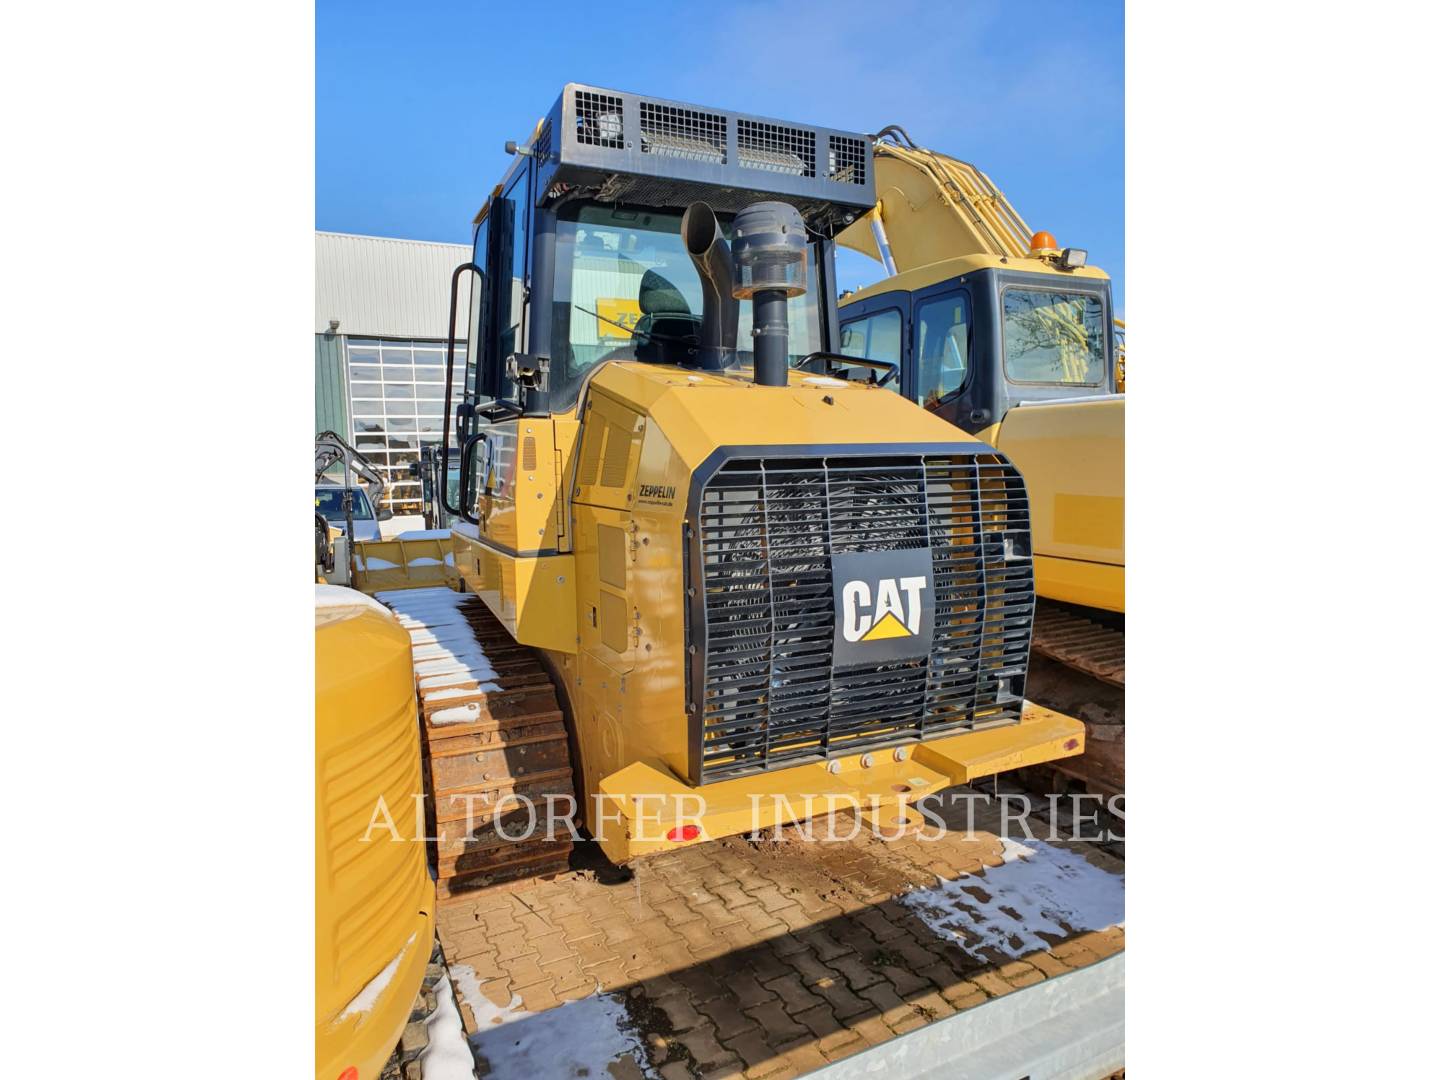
point(667, 332)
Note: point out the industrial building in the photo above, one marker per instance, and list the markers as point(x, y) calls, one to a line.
point(381, 307)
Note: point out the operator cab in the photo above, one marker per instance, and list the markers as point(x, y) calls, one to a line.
point(975, 345)
point(580, 255)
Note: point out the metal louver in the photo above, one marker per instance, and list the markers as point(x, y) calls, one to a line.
point(763, 687)
point(692, 134)
point(776, 147)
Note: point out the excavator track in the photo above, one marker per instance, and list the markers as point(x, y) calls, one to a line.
point(492, 728)
point(1079, 643)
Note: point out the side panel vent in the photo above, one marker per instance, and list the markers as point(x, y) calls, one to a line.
point(617, 457)
point(527, 453)
point(614, 627)
point(610, 545)
point(775, 147)
point(682, 133)
point(599, 119)
point(610, 441)
point(847, 160)
point(542, 144)
point(590, 453)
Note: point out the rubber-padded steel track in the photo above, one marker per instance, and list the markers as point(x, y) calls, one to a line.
point(492, 728)
point(1080, 643)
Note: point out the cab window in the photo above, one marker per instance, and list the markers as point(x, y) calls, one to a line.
point(478, 353)
point(625, 289)
point(510, 303)
point(875, 337)
point(1054, 338)
point(942, 346)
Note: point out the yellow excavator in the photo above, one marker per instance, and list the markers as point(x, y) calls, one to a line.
point(1012, 338)
point(708, 574)
point(374, 899)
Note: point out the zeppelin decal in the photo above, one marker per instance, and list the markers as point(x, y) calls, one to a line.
point(657, 493)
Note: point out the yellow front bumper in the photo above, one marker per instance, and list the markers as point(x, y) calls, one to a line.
point(642, 805)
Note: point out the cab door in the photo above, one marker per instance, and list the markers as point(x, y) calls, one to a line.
point(946, 375)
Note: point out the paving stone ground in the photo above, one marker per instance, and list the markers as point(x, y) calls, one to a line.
point(760, 958)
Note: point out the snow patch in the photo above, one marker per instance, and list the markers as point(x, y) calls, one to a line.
point(374, 562)
point(463, 665)
point(456, 714)
point(424, 534)
point(1040, 889)
point(424, 561)
point(447, 1057)
point(577, 1038)
point(441, 695)
point(336, 602)
point(364, 1001)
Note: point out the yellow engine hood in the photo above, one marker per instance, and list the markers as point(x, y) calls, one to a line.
point(699, 411)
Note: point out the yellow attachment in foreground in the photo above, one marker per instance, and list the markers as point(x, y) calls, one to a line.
point(381, 565)
point(644, 801)
point(374, 900)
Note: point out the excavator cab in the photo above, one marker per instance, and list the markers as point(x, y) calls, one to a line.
point(985, 338)
point(980, 313)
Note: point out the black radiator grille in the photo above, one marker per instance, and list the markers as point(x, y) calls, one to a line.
point(767, 690)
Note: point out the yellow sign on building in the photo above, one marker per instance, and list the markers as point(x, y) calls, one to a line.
point(616, 317)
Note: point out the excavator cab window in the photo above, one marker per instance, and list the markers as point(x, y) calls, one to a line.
point(942, 346)
point(1053, 338)
point(875, 337)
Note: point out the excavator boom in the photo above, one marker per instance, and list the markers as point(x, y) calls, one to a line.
point(912, 183)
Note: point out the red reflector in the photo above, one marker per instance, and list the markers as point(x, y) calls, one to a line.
point(352, 1073)
point(683, 832)
point(1070, 744)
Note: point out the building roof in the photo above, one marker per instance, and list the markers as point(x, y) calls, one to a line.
point(380, 286)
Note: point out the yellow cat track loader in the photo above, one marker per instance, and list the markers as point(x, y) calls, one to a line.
point(701, 575)
point(1011, 338)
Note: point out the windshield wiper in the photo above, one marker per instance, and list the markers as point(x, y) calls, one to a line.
point(693, 342)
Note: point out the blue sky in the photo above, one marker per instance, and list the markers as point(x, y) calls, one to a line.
point(414, 102)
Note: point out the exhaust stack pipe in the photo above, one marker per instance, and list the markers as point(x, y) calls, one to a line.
point(770, 245)
point(768, 267)
point(720, 316)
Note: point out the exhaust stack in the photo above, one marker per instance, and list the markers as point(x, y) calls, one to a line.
point(768, 267)
point(770, 247)
point(720, 315)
